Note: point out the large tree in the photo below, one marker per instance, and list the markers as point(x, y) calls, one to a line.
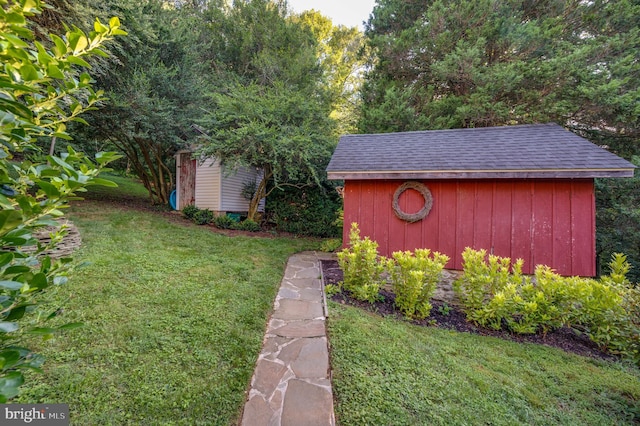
point(341, 53)
point(270, 107)
point(445, 64)
point(155, 90)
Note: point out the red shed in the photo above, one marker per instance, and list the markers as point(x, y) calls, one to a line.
point(517, 191)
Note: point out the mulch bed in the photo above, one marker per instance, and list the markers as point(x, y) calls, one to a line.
point(450, 317)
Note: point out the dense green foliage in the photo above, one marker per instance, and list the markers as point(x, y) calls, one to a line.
point(390, 372)
point(269, 109)
point(207, 217)
point(305, 211)
point(155, 91)
point(617, 219)
point(361, 266)
point(414, 277)
point(494, 293)
point(342, 58)
point(43, 87)
point(173, 314)
point(445, 64)
point(247, 81)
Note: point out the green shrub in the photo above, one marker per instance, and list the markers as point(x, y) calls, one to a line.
point(414, 277)
point(224, 222)
point(190, 211)
point(330, 245)
point(45, 87)
point(481, 280)
point(331, 289)
point(203, 217)
point(494, 294)
point(247, 225)
point(361, 266)
point(616, 317)
point(626, 340)
point(306, 211)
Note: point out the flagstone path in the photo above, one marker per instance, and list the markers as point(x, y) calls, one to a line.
point(291, 384)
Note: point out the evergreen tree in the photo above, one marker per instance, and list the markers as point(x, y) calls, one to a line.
point(444, 64)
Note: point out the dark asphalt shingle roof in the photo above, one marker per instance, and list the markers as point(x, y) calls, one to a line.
point(527, 151)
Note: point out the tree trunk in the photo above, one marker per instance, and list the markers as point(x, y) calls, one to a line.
point(261, 192)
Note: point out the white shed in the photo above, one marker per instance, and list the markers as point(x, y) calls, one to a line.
point(209, 185)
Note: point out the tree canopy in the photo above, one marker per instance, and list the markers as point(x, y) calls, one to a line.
point(446, 64)
point(270, 102)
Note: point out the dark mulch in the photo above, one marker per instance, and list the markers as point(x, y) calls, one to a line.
point(450, 317)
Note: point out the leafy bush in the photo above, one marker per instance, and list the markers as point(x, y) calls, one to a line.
point(606, 309)
point(224, 222)
point(414, 277)
point(362, 268)
point(330, 245)
point(618, 328)
point(203, 217)
point(190, 211)
point(42, 91)
point(306, 211)
point(247, 225)
point(626, 340)
point(481, 280)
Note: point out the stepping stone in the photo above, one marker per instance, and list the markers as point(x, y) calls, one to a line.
point(290, 309)
point(313, 328)
point(307, 404)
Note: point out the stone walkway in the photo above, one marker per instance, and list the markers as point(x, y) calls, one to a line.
point(291, 384)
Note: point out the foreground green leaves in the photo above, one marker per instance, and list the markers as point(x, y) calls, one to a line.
point(41, 91)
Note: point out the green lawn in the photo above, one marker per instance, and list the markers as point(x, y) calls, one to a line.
point(174, 319)
point(390, 372)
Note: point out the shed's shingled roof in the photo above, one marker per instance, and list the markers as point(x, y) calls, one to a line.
point(524, 151)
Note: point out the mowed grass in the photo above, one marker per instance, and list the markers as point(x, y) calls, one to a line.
point(174, 316)
point(390, 372)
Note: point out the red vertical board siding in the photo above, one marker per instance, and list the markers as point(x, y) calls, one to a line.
point(464, 218)
point(501, 220)
point(521, 218)
point(352, 191)
point(482, 231)
point(584, 228)
point(410, 201)
point(430, 224)
point(397, 227)
point(562, 246)
point(541, 221)
point(384, 217)
point(368, 209)
point(445, 198)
